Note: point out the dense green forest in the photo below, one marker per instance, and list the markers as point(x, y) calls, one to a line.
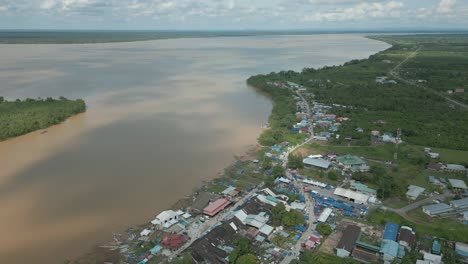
point(425, 117)
point(23, 116)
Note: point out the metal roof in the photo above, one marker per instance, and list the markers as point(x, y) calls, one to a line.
point(391, 231)
point(460, 203)
point(321, 163)
point(389, 247)
point(459, 184)
point(350, 160)
point(436, 208)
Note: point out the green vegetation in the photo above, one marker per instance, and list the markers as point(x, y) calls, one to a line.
point(324, 229)
point(424, 226)
point(241, 253)
point(308, 257)
point(282, 116)
point(295, 161)
point(21, 117)
point(288, 219)
point(425, 117)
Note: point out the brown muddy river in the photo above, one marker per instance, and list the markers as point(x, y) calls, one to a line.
point(163, 116)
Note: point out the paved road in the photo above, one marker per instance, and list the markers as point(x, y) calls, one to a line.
point(402, 211)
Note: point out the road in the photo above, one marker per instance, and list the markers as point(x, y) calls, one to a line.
point(395, 74)
point(199, 231)
point(309, 202)
point(402, 211)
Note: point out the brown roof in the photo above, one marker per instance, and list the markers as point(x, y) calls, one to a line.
point(407, 236)
point(348, 240)
point(365, 256)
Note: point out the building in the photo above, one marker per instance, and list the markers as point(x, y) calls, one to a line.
point(407, 237)
point(461, 249)
point(436, 248)
point(364, 256)
point(458, 184)
point(173, 241)
point(355, 185)
point(324, 215)
point(460, 204)
point(353, 163)
point(258, 221)
point(436, 209)
point(391, 231)
point(460, 90)
point(215, 207)
point(430, 259)
point(414, 192)
point(317, 163)
point(453, 168)
point(231, 191)
point(389, 250)
point(166, 218)
point(351, 195)
point(348, 241)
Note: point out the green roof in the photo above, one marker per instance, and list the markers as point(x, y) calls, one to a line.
point(362, 188)
point(350, 160)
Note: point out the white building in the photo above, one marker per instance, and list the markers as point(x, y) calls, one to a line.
point(351, 195)
point(166, 218)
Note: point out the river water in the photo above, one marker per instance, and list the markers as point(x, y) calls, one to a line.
point(162, 117)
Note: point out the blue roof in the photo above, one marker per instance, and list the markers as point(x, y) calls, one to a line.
point(431, 179)
point(155, 250)
point(391, 231)
point(436, 247)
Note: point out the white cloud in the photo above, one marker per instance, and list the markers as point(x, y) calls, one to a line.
point(446, 6)
point(358, 12)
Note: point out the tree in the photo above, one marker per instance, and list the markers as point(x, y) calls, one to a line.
point(266, 163)
point(277, 171)
point(247, 259)
point(292, 218)
point(242, 247)
point(332, 175)
point(324, 229)
point(295, 162)
point(277, 212)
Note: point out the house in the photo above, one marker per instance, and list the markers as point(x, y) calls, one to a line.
point(259, 221)
point(359, 130)
point(436, 209)
point(391, 231)
point(202, 200)
point(430, 259)
point(460, 90)
point(364, 256)
point(216, 207)
point(465, 217)
point(414, 192)
point(353, 196)
point(460, 204)
point(407, 237)
point(461, 249)
point(353, 163)
point(348, 241)
point(316, 163)
point(431, 179)
point(389, 250)
point(436, 248)
point(355, 185)
point(458, 184)
point(433, 155)
point(231, 191)
point(324, 215)
point(166, 218)
point(453, 168)
point(434, 166)
point(293, 85)
point(173, 241)
point(375, 133)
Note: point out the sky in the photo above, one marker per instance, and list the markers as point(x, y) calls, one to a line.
point(234, 14)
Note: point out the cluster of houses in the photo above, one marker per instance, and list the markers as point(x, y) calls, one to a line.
point(455, 168)
point(432, 155)
point(324, 120)
point(456, 207)
point(347, 163)
point(394, 245)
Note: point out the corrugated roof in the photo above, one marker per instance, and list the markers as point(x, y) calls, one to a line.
point(389, 247)
point(391, 231)
point(459, 184)
point(356, 196)
point(435, 208)
point(350, 160)
point(460, 203)
point(321, 163)
point(348, 240)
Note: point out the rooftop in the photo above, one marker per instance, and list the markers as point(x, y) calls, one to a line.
point(434, 208)
point(460, 203)
point(391, 231)
point(216, 206)
point(459, 184)
point(348, 240)
point(321, 163)
point(389, 247)
point(350, 160)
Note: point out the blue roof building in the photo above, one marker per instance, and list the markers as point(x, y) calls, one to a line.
point(389, 249)
point(391, 231)
point(436, 247)
point(431, 179)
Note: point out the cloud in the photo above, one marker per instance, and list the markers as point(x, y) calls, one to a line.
point(446, 6)
point(358, 12)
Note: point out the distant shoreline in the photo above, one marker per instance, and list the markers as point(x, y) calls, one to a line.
point(122, 36)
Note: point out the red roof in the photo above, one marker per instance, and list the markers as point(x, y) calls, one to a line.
point(215, 207)
point(173, 241)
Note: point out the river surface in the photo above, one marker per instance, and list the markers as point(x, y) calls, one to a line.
point(163, 116)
